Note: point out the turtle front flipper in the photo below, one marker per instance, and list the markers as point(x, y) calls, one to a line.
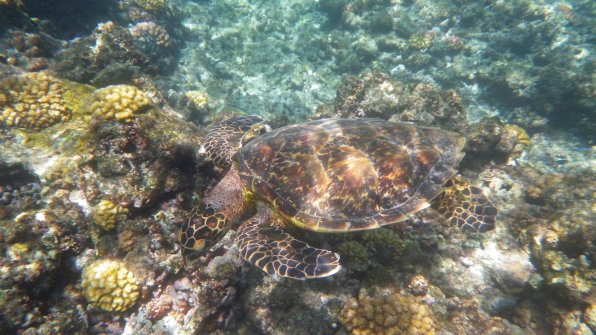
point(466, 206)
point(226, 137)
point(263, 243)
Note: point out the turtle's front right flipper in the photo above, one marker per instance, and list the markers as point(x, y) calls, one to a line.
point(264, 244)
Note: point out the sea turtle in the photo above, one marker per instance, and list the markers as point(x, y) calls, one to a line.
point(331, 175)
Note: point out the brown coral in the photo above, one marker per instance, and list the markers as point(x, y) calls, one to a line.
point(376, 95)
point(126, 240)
point(426, 105)
point(151, 5)
point(387, 314)
point(32, 101)
point(151, 32)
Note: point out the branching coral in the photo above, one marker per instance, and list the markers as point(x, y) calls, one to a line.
point(109, 285)
point(32, 101)
point(119, 102)
point(387, 314)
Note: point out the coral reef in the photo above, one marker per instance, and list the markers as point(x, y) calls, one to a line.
point(32, 101)
point(420, 41)
point(387, 314)
point(118, 102)
point(33, 51)
point(151, 33)
point(376, 95)
point(287, 307)
point(151, 5)
point(34, 16)
point(355, 256)
point(491, 140)
point(126, 240)
point(106, 214)
point(386, 244)
point(36, 245)
point(561, 247)
point(108, 56)
point(138, 163)
point(428, 106)
point(418, 286)
point(515, 77)
point(193, 104)
point(198, 99)
point(109, 285)
point(21, 198)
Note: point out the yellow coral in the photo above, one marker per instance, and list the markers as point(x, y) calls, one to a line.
point(420, 41)
point(522, 138)
point(17, 251)
point(106, 214)
point(119, 102)
point(32, 101)
point(151, 5)
point(109, 285)
point(197, 98)
point(387, 314)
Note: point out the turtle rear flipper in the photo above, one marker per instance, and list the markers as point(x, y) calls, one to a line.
point(466, 206)
point(226, 137)
point(270, 248)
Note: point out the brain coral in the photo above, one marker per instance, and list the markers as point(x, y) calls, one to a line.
point(109, 285)
point(387, 314)
point(119, 102)
point(32, 101)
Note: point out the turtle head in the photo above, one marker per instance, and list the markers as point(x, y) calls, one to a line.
point(204, 228)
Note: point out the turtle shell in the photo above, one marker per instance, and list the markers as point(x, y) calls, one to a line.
point(341, 175)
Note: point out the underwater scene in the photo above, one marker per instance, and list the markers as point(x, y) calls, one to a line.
point(299, 167)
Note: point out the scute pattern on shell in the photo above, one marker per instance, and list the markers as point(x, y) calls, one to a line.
point(226, 137)
point(337, 175)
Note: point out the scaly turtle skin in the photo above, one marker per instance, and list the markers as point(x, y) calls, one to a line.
point(328, 176)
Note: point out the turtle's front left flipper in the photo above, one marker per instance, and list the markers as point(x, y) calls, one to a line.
point(274, 251)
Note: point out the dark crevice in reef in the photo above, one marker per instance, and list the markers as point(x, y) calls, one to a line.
point(16, 174)
point(62, 18)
